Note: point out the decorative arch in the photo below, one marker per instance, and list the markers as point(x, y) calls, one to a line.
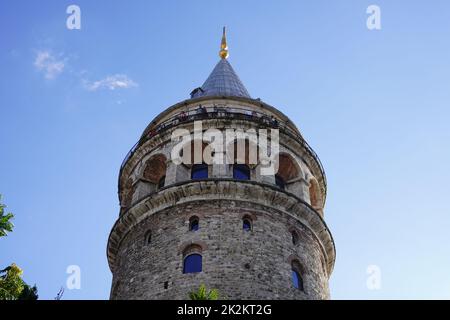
point(151, 178)
point(192, 258)
point(288, 167)
point(191, 246)
point(289, 175)
point(155, 169)
point(247, 223)
point(315, 196)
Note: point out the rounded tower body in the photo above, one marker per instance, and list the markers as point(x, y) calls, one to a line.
point(187, 218)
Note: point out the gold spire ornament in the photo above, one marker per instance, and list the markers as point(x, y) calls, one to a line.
point(223, 46)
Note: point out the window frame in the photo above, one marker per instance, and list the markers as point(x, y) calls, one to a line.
point(298, 271)
point(295, 275)
point(250, 223)
point(197, 168)
point(190, 256)
point(194, 220)
point(161, 182)
point(243, 169)
point(278, 179)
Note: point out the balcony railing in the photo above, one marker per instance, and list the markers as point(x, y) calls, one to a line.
point(224, 113)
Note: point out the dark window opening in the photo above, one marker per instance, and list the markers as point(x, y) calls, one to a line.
point(148, 238)
point(297, 280)
point(199, 171)
point(246, 225)
point(192, 263)
point(194, 224)
point(294, 238)
point(161, 182)
point(241, 172)
point(279, 181)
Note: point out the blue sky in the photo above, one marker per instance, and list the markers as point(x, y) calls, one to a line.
point(373, 104)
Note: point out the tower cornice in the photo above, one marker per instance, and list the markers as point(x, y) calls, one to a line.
point(222, 189)
point(152, 139)
point(199, 100)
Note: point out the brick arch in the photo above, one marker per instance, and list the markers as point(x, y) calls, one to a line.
point(192, 247)
point(250, 215)
point(288, 167)
point(295, 262)
point(155, 168)
point(315, 196)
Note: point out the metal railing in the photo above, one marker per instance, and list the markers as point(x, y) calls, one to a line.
point(223, 113)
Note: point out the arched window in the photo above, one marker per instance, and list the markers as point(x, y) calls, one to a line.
point(161, 182)
point(148, 237)
point(192, 263)
point(246, 224)
point(297, 279)
point(199, 171)
point(193, 223)
point(279, 181)
point(294, 237)
point(288, 174)
point(241, 172)
point(155, 169)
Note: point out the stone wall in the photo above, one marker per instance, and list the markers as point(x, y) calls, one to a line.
point(241, 265)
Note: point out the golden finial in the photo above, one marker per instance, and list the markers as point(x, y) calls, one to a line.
point(223, 46)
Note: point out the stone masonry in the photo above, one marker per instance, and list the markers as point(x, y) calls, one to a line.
point(150, 240)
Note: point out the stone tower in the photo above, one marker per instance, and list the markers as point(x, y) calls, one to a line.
point(228, 225)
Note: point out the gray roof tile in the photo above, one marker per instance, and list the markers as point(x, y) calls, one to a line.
point(223, 81)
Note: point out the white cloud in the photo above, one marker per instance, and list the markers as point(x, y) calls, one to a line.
point(48, 64)
point(117, 81)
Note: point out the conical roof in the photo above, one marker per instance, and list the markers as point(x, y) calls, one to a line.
point(223, 81)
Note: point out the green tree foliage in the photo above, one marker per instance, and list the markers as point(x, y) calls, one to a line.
point(12, 286)
point(11, 283)
point(5, 220)
point(204, 294)
point(28, 293)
